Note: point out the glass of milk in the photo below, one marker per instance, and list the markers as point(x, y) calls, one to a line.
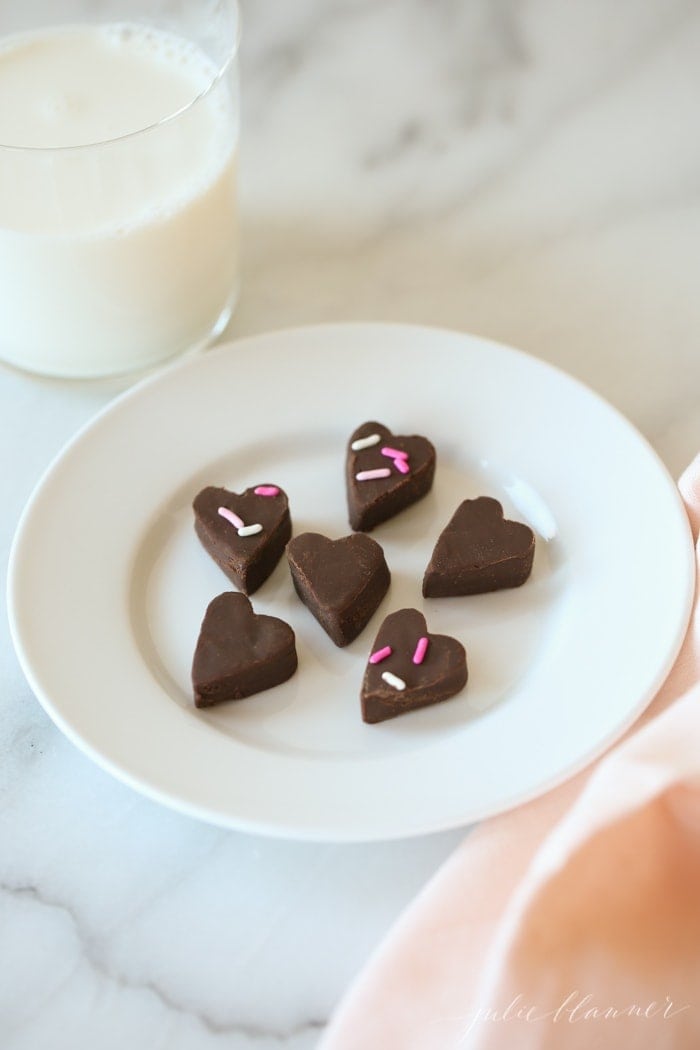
point(118, 220)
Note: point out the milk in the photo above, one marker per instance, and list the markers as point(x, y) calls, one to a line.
point(113, 256)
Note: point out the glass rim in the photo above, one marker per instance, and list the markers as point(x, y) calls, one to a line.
point(222, 69)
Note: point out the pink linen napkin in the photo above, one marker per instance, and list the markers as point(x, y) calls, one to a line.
point(569, 923)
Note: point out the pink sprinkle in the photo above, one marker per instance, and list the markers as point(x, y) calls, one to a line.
point(394, 453)
point(421, 650)
point(370, 475)
point(233, 518)
point(381, 654)
point(266, 490)
point(402, 466)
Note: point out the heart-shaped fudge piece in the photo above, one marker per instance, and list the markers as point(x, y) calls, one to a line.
point(479, 550)
point(245, 533)
point(409, 668)
point(239, 652)
point(385, 473)
point(341, 581)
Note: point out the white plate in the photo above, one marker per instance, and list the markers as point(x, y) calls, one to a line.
point(108, 582)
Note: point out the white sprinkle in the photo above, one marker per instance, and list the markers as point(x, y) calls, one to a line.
point(392, 679)
point(367, 442)
point(370, 475)
point(250, 530)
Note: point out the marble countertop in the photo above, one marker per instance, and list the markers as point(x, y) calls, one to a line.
point(528, 171)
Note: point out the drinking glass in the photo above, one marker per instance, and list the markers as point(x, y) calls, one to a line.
point(118, 215)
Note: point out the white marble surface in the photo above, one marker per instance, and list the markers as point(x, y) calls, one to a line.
point(525, 170)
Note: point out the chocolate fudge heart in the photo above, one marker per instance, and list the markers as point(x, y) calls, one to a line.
point(479, 550)
point(410, 668)
point(385, 473)
point(245, 533)
point(341, 581)
point(239, 652)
